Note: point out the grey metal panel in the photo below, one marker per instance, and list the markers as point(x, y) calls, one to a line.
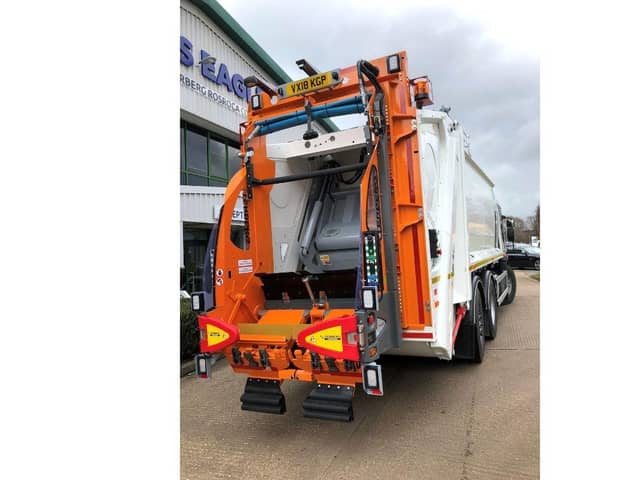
point(287, 206)
point(341, 230)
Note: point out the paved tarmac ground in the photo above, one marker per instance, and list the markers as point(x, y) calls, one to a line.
point(437, 419)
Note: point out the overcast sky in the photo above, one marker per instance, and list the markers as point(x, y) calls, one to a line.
point(481, 58)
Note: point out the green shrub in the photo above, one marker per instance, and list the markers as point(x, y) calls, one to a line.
point(189, 333)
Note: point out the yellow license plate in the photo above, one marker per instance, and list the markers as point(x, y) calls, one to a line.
point(306, 85)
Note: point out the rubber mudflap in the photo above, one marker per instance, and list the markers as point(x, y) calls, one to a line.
point(260, 386)
point(262, 408)
point(323, 415)
point(263, 396)
point(329, 402)
point(465, 342)
point(260, 398)
point(336, 407)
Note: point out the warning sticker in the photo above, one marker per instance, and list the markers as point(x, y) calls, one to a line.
point(325, 259)
point(245, 266)
point(329, 338)
point(215, 335)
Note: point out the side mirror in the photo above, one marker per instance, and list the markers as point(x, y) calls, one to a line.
point(511, 236)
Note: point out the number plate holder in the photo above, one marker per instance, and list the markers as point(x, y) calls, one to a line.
point(310, 84)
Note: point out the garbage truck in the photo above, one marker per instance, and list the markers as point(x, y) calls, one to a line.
point(381, 239)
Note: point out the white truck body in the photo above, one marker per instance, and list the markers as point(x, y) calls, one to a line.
point(459, 205)
point(461, 208)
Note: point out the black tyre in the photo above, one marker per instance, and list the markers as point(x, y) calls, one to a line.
point(491, 312)
point(477, 319)
point(536, 265)
point(511, 281)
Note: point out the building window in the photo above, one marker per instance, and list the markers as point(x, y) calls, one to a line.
point(234, 160)
point(195, 246)
point(206, 159)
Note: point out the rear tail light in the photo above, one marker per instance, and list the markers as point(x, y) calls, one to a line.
point(203, 365)
point(372, 379)
point(336, 338)
point(370, 298)
point(197, 301)
point(216, 334)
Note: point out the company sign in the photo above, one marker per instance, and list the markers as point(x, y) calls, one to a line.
point(236, 216)
point(216, 73)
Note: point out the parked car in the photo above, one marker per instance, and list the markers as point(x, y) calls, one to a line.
point(523, 256)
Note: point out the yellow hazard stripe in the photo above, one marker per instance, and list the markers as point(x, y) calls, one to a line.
point(436, 279)
point(475, 266)
point(472, 267)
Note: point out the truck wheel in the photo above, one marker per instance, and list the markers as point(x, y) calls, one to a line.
point(477, 319)
point(491, 313)
point(511, 282)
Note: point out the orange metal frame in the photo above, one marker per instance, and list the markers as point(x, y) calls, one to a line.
point(238, 292)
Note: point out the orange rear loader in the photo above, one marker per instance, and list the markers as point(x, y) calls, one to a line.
point(334, 267)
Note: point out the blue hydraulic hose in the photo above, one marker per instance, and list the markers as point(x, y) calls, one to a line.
point(335, 109)
point(321, 111)
point(302, 119)
point(339, 103)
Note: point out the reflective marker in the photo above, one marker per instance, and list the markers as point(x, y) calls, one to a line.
point(367, 299)
point(372, 378)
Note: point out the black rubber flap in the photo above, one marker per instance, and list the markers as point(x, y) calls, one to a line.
point(263, 396)
point(329, 402)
